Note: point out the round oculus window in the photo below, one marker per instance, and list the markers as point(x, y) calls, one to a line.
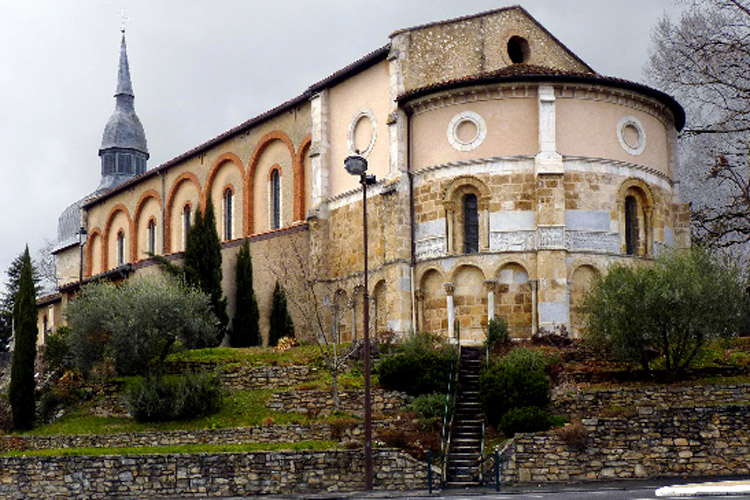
point(631, 135)
point(466, 131)
point(362, 133)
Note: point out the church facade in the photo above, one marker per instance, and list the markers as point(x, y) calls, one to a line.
point(508, 172)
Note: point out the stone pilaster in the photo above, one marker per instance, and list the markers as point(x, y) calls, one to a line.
point(552, 297)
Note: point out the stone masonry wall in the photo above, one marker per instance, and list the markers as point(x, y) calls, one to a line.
point(708, 441)
point(242, 377)
point(292, 433)
point(203, 475)
point(320, 403)
point(632, 399)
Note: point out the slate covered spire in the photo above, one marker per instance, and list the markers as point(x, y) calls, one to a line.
point(124, 150)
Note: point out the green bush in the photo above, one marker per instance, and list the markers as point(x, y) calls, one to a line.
point(156, 399)
point(670, 310)
point(524, 419)
point(515, 381)
point(429, 406)
point(497, 332)
point(137, 323)
point(418, 367)
point(57, 354)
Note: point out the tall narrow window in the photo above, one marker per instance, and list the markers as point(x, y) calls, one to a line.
point(275, 200)
point(120, 248)
point(152, 237)
point(228, 214)
point(631, 225)
point(185, 224)
point(471, 224)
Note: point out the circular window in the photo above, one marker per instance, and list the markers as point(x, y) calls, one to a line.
point(631, 135)
point(362, 133)
point(466, 131)
point(518, 50)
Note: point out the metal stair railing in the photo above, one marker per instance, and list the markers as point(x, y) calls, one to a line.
point(445, 440)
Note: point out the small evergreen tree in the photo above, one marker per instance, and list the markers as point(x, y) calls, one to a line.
point(245, 331)
point(22, 385)
point(9, 298)
point(202, 264)
point(280, 322)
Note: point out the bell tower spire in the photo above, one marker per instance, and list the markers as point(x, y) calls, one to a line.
point(124, 150)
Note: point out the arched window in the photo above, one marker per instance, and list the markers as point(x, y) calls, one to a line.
point(185, 223)
point(631, 226)
point(275, 199)
point(120, 248)
point(152, 237)
point(228, 219)
point(471, 223)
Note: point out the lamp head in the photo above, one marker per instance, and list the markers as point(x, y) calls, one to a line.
point(355, 165)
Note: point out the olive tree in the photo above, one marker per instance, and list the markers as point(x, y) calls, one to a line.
point(137, 323)
point(670, 309)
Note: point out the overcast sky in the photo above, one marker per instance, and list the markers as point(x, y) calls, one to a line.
point(200, 67)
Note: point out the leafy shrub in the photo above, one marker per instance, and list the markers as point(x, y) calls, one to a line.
point(155, 399)
point(137, 323)
point(49, 402)
point(429, 406)
point(524, 419)
point(57, 355)
point(518, 380)
point(497, 332)
point(417, 368)
point(669, 310)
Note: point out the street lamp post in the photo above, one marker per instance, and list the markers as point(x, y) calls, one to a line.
point(357, 165)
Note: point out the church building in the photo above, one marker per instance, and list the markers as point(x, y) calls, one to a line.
point(509, 174)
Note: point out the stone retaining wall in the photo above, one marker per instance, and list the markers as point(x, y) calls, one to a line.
point(320, 403)
point(629, 399)
point(708, 441)
point(240, 376)
point(343, 431)
point(204, 475)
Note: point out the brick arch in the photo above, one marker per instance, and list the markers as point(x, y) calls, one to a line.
point(585, 261)
point(299, 178)
point(182, 178)
point(107, 228)
point(220, 161)
point(467, 183)
point(89, 244)
point(265, 141)
point(150, 194)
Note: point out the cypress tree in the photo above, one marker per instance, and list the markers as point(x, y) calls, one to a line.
point(245, 331)
point(22, 385)
point(280, 322)
point(203, 262)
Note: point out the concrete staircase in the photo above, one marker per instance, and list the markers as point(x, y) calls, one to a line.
point(466, 436)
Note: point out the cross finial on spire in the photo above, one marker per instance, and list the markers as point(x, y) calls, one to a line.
point(123, 20)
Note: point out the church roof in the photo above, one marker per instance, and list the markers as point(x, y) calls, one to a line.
point(124, 130)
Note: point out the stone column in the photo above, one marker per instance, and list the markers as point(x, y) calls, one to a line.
point(419, 296)
point(534, 285)
point(353, 308)
point(490, 285)
point(450, 212)
point(451, 313)
point(319, 147)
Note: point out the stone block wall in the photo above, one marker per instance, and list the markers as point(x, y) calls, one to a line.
point(320, 403)
point(346, 431)
point(239, 376)
point(707, 441)
point(204, 475)
point(631, 399)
